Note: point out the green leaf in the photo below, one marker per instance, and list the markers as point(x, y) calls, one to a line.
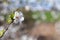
point(9, 17)
point(49, 16)
point(2, 32)
point(9, 20)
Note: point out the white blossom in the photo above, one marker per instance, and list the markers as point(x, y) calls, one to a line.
point(18, 17)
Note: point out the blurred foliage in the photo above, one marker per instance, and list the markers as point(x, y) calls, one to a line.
point(49, 18)
point(36, 15)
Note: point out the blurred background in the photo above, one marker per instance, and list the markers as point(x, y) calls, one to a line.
point(41, 19)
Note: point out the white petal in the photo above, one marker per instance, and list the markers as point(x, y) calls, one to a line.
point(21, 13)
point(22, 19)
point(16, 13)
point(16, 21)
